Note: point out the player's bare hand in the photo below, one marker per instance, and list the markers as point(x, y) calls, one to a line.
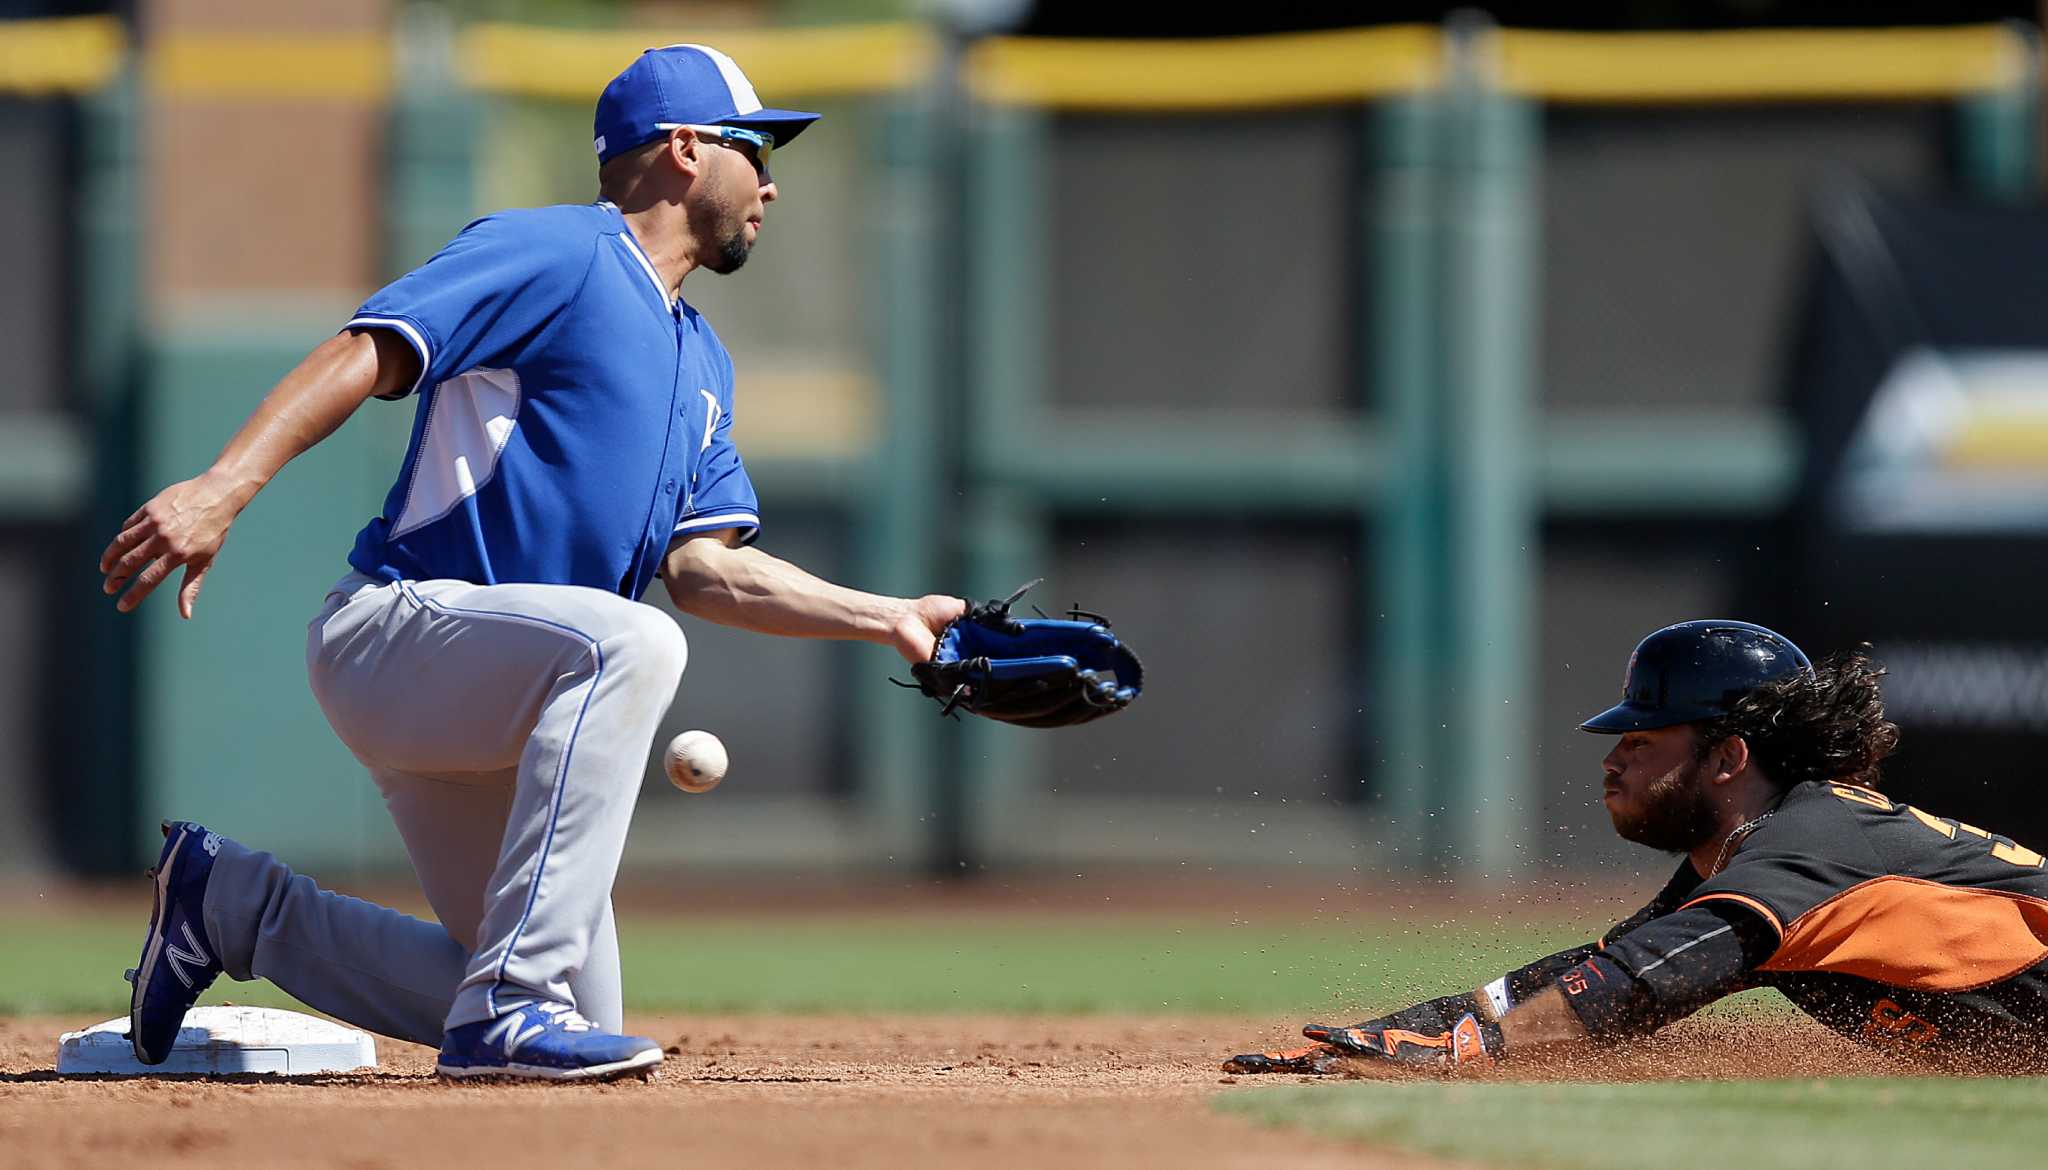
point(183, 526)
point(916, 633)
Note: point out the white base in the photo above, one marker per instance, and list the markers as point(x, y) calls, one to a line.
point(222, 1040)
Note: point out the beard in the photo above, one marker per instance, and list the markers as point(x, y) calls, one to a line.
point(731, 234)
point(732, 252)
point(1676, 816)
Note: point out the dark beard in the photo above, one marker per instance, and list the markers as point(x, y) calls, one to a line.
point(732, 252)
point(1679, 817)
point(733, 249)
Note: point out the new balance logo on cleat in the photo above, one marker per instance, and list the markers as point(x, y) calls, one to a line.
point(179, 958)
point(543, 1041)
point(211, 843)
point(503, 1034)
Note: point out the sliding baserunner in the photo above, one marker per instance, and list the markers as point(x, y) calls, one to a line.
point(1895, 927)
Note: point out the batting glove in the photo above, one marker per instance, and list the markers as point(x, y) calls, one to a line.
point(1468, 1041)
point(1315, 1060)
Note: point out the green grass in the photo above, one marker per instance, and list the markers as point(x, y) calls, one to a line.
point(1901, 1124)
point(1008, 963)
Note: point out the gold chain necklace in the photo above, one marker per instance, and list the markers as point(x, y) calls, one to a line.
point(1721, 858)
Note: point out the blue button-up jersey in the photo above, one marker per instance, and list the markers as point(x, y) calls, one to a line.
point(573, 419)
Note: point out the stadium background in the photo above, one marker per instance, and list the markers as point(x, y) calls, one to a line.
point(1386, 383)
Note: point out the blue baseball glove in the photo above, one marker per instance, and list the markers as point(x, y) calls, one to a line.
point(1033, 672)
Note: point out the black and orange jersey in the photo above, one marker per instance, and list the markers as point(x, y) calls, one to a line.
point(1888, 924)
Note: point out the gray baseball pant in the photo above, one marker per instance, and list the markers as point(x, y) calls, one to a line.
point(508, 727)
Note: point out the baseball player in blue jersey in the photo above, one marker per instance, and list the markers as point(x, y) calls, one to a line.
point(486, 657)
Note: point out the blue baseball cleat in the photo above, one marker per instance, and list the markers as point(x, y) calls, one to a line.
point(543, 1041)
point(178, 964)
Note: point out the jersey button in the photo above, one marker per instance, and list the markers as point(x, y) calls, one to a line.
point(671, 488)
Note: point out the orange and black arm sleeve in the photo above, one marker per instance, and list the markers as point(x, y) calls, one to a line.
point(1524, 981)
point(1667, 968)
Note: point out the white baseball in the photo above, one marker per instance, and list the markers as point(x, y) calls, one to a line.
point(695, 761)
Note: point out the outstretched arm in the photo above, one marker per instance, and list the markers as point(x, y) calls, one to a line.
point(712, 577)
point(186, 523)
point(1449, 1030)
point(1661, 971)
point(1661, 963)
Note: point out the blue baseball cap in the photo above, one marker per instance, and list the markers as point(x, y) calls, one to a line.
point(684, 85)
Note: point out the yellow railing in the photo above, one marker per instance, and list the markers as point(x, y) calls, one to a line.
point(1229, 74)
point(1762, 66)
point(347, 68)
point(82, 54)
point(76, 55)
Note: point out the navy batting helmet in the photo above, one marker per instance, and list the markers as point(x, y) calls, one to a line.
point(1697, 670)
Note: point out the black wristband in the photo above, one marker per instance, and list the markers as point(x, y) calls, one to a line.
point(1524, 981)
point(1609, 1003)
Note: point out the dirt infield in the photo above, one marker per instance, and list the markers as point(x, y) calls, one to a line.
point(870, 1092)
point(900, 1093)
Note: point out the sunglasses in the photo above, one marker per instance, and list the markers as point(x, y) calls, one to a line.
point(756, 145)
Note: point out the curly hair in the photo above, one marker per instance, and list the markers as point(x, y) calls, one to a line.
point(1824, 724)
